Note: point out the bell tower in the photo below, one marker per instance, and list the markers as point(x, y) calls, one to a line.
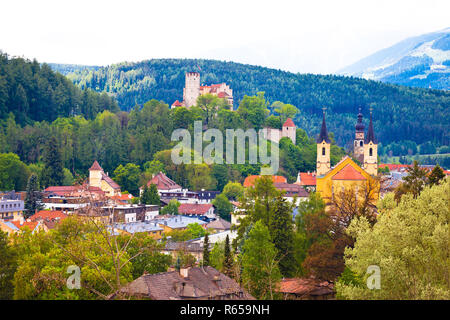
point(358, 144)
point(191, 89)
point(323, 164)
point(371, 150)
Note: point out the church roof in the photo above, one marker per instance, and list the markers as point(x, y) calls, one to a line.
point(348, 173)
point(323, 132)
point(95, 166)
point(370, 135)
point(289, 123)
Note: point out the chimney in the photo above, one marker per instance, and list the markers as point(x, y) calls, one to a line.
point(184, 272)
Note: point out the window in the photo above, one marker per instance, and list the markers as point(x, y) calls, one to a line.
point(370, 152)
point(323, 151)
point(360, 143)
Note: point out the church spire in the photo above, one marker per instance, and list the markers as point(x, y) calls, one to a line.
point(370, 134)
point(323, 131)
point(359, 124)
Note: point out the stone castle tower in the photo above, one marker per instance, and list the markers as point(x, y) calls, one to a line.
point(323, 164)
point(358, 145)
point(191, 89)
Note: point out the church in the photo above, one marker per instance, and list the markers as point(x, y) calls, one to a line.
point(347, 174)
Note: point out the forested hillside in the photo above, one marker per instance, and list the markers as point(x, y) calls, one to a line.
point(34, 92)
point(400, 113)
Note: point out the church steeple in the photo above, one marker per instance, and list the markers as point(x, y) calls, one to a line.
point(358, 144)
point(323, 136)
point(323, 164)
point(370, 134)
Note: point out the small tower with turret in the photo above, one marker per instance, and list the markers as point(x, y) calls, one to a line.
point(289, 130)
point(95, 175)
point(323, 164)
point(371, 150)
point(191, 89)
point(358, 144)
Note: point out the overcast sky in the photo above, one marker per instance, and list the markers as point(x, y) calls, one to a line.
point(310, 36)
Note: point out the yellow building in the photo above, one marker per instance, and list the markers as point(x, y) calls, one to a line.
point(98, 178)
point(347, 174)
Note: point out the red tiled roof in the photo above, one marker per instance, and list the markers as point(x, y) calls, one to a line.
point(222, 94)
point(50, 215)
point(95, 166)
point(110, 181)
point(250, 180)
point(304, 287)
point(123, 197)
point(289, 123)
point(291, 189)
point(163, 182)
point(71, 190)
point(307, 178)
point(348, 173)
point(30, 224)
point(194, 208)
point(177, 103)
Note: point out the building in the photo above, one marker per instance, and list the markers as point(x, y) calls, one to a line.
point(173, 249)
point(98, 178)
point(219, 225)
point(346, 174)
point(49, 218)
point(288, 129)
point(292, 191)
point(204, 210)
point(127, 213)
point(11, 207)
point(150, 228)
point(177, 222)
point(192, 90)
point(306, 289)
point(199, 283)
point(163, 184)
point(307, 180)
point(17, 226)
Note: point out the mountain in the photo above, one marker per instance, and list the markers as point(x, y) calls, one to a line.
point(422, 61)
point(401, 113)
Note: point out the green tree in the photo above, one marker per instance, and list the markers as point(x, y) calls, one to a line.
point(33, 199)
point(128, 177)
point(171, 208)
point(150, 195)
point(8, 265)
point(196, 230)
point(284, 110)
point(223, 206)
point(13, 172)
point(436, 175)
point(260, 272)
point(409, 243)
point(217, 256)
point(228, 258)
point(53, 173)
point(413, 182)
point(233, 191)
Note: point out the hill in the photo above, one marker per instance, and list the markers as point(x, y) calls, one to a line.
point(34, 92)
point(401, 113)
point(422, 61)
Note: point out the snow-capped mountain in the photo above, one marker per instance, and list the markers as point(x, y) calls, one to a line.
point(422, 61)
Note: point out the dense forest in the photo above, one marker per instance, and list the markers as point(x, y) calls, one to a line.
point(400, 113)
point(34, 92)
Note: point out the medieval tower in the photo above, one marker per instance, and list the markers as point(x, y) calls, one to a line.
point(323, 164)
point(358, 145)
point(191, 88)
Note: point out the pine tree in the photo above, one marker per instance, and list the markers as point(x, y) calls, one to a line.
point(33, 199)
point(145, 197)
point(228, 261)
point(153, 195)
point(52, 174)
point(206, 251)
point(436, 175)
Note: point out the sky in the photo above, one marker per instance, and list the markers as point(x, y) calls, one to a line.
point(298, 36)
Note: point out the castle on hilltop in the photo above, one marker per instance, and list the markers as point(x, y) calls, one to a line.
point(289, 130)
point(192, 90)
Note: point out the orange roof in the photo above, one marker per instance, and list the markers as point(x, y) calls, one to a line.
point(250, 180)
point(95, 166)
point(307, 178)
point(289, 123)
point(177, 103)
point(163, 182)
point(123, 197)
point(45, 214)
point(222, 94)
point(30, 224)
point(348, 173)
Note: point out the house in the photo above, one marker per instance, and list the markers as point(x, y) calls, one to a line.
point(237, 213)
point(177, 222)
point(291, 191)
point(173, 248)
point(199, 283)
point(307, 180)
point(16, 226)
point(306, 289)
point(250, 180)
point(288, 130)
point(125, 213)
point(151, 228)
point(98, 178)
point(163, 184)
point(11, 207)
point(205, 210)
point(216, 237)
point(219, 225)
